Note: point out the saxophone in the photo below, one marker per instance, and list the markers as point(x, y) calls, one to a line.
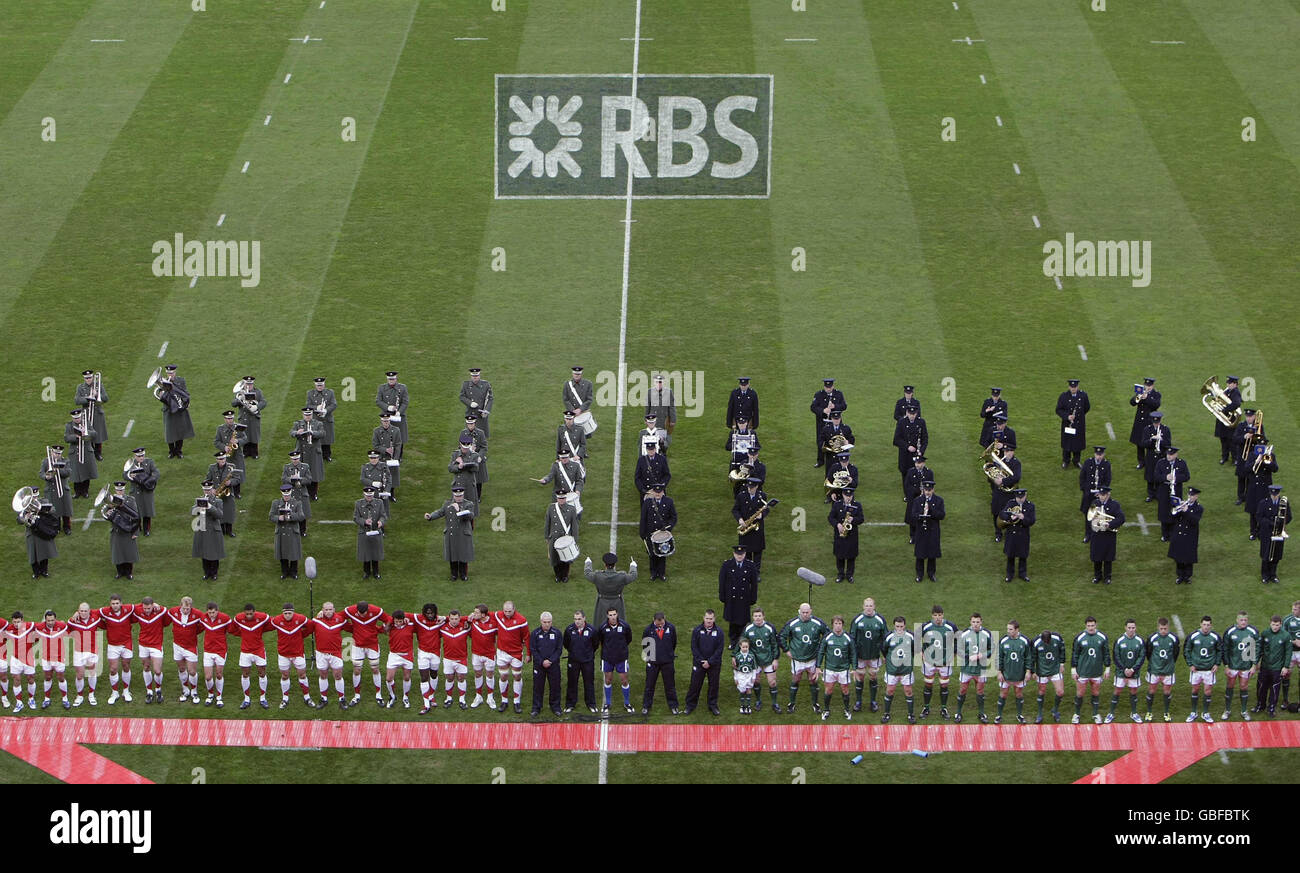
point(848, 522)
point(756, 519)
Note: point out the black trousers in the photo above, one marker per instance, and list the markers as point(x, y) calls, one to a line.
point(698, 675)
point(1183, 571)
point(250, 450)
point(586, 671)
point(210, 568)
point(652, 673)
point(734, 630)
point(1101, 569)
point(1225, 448)
point(1267, 684)
point(928, 564)
point(1023, 565)
point(1069, 456)
point(658, 566)
point(562, 570)
point(541, 677)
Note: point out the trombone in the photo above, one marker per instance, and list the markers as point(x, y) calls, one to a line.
point(1249, 439)
point(1279, 534)
point(55, 466)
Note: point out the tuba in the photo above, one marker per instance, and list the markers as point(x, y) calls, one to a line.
point(1216, 400)
point(994, 466)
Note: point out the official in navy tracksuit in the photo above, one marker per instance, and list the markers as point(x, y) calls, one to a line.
point(580, 642)
point(546, 645)
point(707, 643)
point(615, 639)
point(659, 645)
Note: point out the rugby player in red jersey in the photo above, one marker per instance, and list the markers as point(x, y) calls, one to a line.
point(251, 627)
point(291, 628)
point(152, 618)
point(455, 649)
point(185, 647)
point(483, 645)
point(4, 666)
point(365, 622)
point(52, 639)
point(215, 626)
point(19, 640)
point(512, 652)
point(428, 643)
point(327, 626)
point(117, 621)
point(84, 630)
point(401, 654)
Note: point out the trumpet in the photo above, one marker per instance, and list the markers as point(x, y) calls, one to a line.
point(756, 519)
point(994, 467)
point(1216, 400)
point(1262, 460)
point(1099, 519)
point(1180, 506)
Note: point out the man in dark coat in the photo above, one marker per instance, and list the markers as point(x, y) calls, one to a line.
point(323, 401)
point(209, 543)
point(835, 427)
point(458, 532)
point(1249, 428)
point(1001, 487)
point(580, 642)
point(1072, 408)
point(609, 584)
point(748, 503)
point(824, 402)
point(1017, 517)
point(1156, 441)
point(1145, 401)
point(143, 476)
point(1271, 509)
point(913, 479)
point(657, 513)
point(57, 492)
point(123, 537)
point(287, 513)
point(97, 420)
point(706, 662)
point(845, 519)
point(927, 513)
point(82, 467)
point(476, 394)
point(911, 437)
point(546, 645)
point(1171, 470)
point(1224, 431)
point(906, 402)
point(1101, 546)
point(991, 407)
point(177, 426)
point(1258, 482)
point(651, 468)
point(369, 515)
point(659, 645)
point(743, 403)
point(1185, 536)
point(737, 591)
point(1093, 476)
point(250, 402)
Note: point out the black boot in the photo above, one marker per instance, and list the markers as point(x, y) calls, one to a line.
point(45, 568)
point(284, 568)
point(374, 563)
point(293, 569)
point(180, 448)
point(36, 570)
point(365, 569)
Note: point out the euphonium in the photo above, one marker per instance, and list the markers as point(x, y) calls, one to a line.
point(1099, 519)
point(994, 466)
point(1216, 400)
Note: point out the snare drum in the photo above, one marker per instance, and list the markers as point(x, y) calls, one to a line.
point(661, 543)
point(567, 548)
point(586, 421)
point(574, 499)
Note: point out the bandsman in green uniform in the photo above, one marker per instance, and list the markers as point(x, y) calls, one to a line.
point(1047, 664)
point(476, 394)
point(374, 474)
point(323, 401)
point(309, 432)
point(938, 643)
point(369, 516)
point(899, 649)
point(1274, 661)
point(226, 478)
point(1162, 658)
point(249, 401)
point(82, 468)
point(571, 437)
point(1241, 662)
point(230, 438)
point(479, 438)
point(868, 631)
point(976, 646)
point(745, 667)
point(836, 659)
point(1129, 653)
point(393, 398)
point(1291, 624)
point(458, 532)
point(1203, 651)
point(1089, 668)
point(287, 512)
point(97, 420)
point(1013, 666)
point(297, 476)
point(57, 493)
point(208, 544)
point(765, 643)
point(143, 476)
point(802, 637)
point(387, 439)
point(463, 466)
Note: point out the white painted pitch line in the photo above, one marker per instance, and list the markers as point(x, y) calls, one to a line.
point(108, 40)
point(287, 77)
point(130, 424)
point(322, 4)
point(983, 81)
point(306, 39)
point(623, 523)
point(194, 280)
point(1057, 280)
point(1110, 430)
point(1016, 167)
point(631, 38)
point(603, 775)
point(968, 40)
point(1178, 626)
point(162, 351)
point(998, 119)
point(90, 516)
point(221, 219)
point(470, 38)
point(267, 121)
point(333, 521)
point(1167, 42)
point(245, 170)
point(1223, 757)
point(1035, 218)
point(800, 39)
point(1083, 353)
point(1143, 523)
point(954, 4)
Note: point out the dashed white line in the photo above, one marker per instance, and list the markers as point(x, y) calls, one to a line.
point(1035, 218)
point(968, 40)
point(245, 170)
point(1167, 42)
point(162, 351)
point(1057, 280)
point(602, 777)
point(470, 38)
point(1110, 430)
point(194, 280)
point(322, 4)
point(1178, 626)
point(306, 39)
point(108, 40)
point(1223, 757)
point(267, 121)
point(983, 81)
point(1083, 353)
point(606, 523)
point(998, 119)
point(287, 77)
point(954, 4)
point(90, 516)
point(884, 524)
point(632, 38)
point(1016, 167)
point(800, 39)
point(333, 521)
point(221, 220)
point(130, 424)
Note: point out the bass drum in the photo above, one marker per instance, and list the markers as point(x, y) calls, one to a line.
point(661, 543)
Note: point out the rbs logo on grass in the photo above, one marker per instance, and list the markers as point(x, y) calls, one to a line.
point(682, 136)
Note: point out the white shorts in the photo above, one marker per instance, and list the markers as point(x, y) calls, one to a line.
point(150, 652)
point(396, 660)
point(179, 654)
point(1004, 684)
point(85, 659)
point(426, 660)
point(248, 659)
point(1233, 673)
point(482, 662)
point(964, 678)
point(892, 679)
point(299, 662)
point(801, 666)
point(56, 666)
point(505, 660)
point(744, 681)
point(1084, 680)
point(1122, 681)
point(1043, 680)
point(768, 668)
point(1200, 677)
point(17, 667)
point(1157, 679)
point(212, 659)
point(928, 670)
point(360, 654)
point(453, 668)
point(869, 663)
point(836, 677)
point(119, 652)
point(326, 661)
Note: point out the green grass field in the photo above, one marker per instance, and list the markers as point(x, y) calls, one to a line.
point(922, 265)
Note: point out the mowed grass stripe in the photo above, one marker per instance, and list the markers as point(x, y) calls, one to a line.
point(90, 91)
point(32, 36)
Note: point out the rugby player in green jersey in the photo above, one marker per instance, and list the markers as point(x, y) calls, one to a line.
point(1129, 652)
point(802, 638)
point(938, 638)
point(1240, 662)
point(745, 667)
point(1203, 651)
point(765, 643)
point(836, 659)
point(1274, 665)
point(1047, 659)
point(976, 646)
point(899, 649)
point(1013, 665)
point(867, 630)
point(1089, 667)
point(1162, 658)
point(1291, 624)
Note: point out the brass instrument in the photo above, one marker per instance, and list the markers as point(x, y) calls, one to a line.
point(739, 474)
point(840, 479)
point(1099, 519)
point(102, 495)
point(223, 489)
point(1262, 460)
point(238, 389)
point(847, 524)
point(54, 471)
point(994, 467)
point(837, 444)
point(1216, 400)
point(754, 520)
point(1249, 440)
point(1180, 506)
point(1016, 515)
point(233, 445)
point(157, 383)
point(1279, 534)
point(26, 500)
point(925, 507)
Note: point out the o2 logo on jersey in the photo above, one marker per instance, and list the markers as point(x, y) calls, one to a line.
point(682, 136)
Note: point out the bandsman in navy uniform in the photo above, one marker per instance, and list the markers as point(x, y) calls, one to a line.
point(1145, 401)
point(287, 513)
point(387, 439)
point(1101, 548)
point(911, 437)
point(1016, 518)
point(906, 402)
point(1171, 470)
point(1156, 441)
point(739, 441)
point(458, 531)
point(177, 426)
point(231, 438)
point(650, 468)
point(836, 427)
point(374, 474)
point(1002, 487)
point(1093, 476)
point(209, 545)
point(1072, 408)
point(570, 437)
point(913, 483)
point(369, 516)
point(999, 432)
point(309, 432)
point(479, 437)
point(1186, 536)
point(840, 474)
point(250, 402)
point(661, 403)
point(1271, 508)
point(1221, 430)
point(99, 421)
point(225, 476)
point(652, 432)
point(824, 402)
point(991, 407)
point(392, 397)
point(123, 540)
point(1258, 481)
point(748, 502)
point(1242, 458)
point(737, 591)
point(82, 468)
point(322, 400)
point(657, 513)
point(845, 519)
point(743, 403)
point(561, 521)
point(578, 393)
point(757, 469)
point(476, 394)
point(143, 476)
point(297, 475)
point(927, 514)
point(60, 496)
